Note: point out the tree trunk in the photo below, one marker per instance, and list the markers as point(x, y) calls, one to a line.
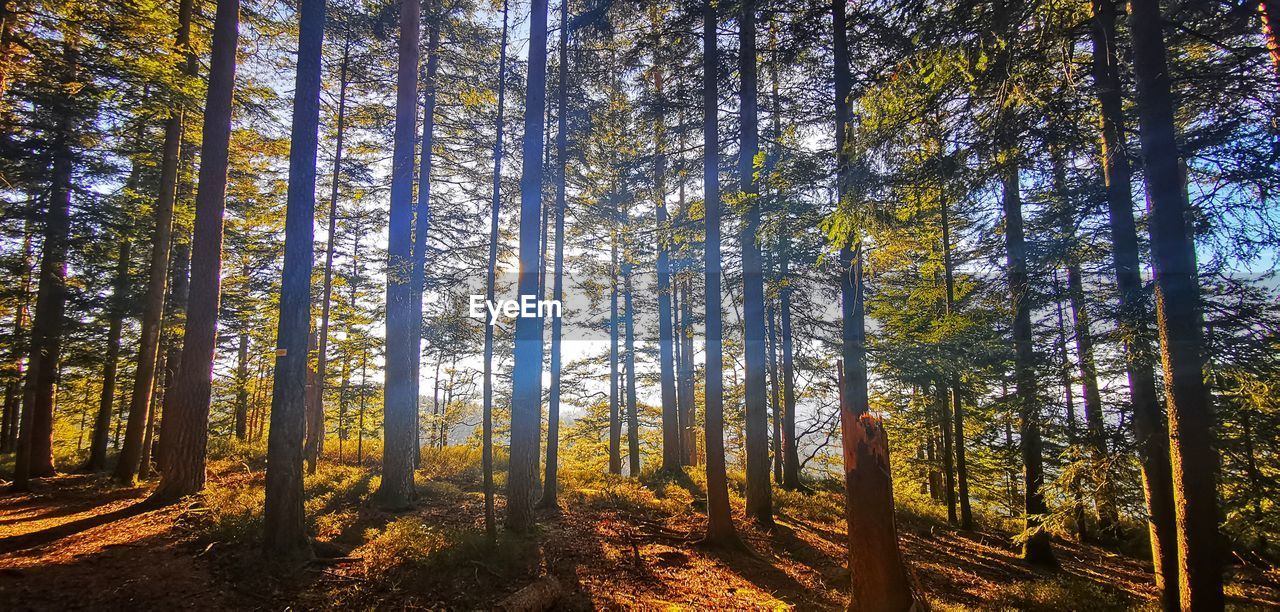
point(948, 452)
point(759, 502)
point(102, 421)
point(1148, 419)
point(141, 398)
point(775, 402)
point(629, 319)
point(615, 396)
point(241, 415)
point(284, 519)
point(1269, 12)
point(1178, 319)
point(35, 438)
point(526, 375)
point(879, 575)
point(957, 405)
point(671, 455)
point(399, 404)
point(550, 489)
point(688, 431)
point(422, 222)
point(13, 392)
point(184, 432)
point(315, 422)
point(720, 529)
point(490, 523)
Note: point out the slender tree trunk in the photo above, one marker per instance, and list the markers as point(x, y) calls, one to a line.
point(615, 416)
point(550, 489)
point(957, 405)
point(1148, 419)
point(1178, 319)
point(1036, 548)
point(148, 436)
point(1073, 486)
point(671, 454)
point(629, 319)
point(184, 432)
point(13, 392)
point(422, 221)
point(526, 375)
point(241, 414)
point(490, 523)
point(35, 438)
point(102, 421)
point(399, 404)
point(759, 496)
point(790, 452)
point(720, 529)
point(948, 452)
point(315, 422)
point(689, 438)
point(141, 398)
point(775, 402)
point(284, 519)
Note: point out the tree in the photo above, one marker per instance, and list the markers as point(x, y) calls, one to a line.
point(184, 432)
point(495, 207)
point(551, 484)
point(141, 399)
point(284, 520)
point(1178, 319)
point(102, 421)
point(526, 375)
point(720, 530)
point(399, 402)
point(759, 499)
point(1148, 429)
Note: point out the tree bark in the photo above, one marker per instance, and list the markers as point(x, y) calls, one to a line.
point(1178, 319)
point(720, 529)
point(284, 519)
point(13, 392)
point(102, 421)
point(550, 488)
point(184, 432)
point(615, 396)
point(526, 375)
point(759, 498)
point(141, 398)
point(490, 523)
point(672, 457)
point(241, 415)
point(957, 404)
point(312, 447)
point(35, 438)
point(1148, 418)
point(399, 404)
point(879, 575)
point(629, 319)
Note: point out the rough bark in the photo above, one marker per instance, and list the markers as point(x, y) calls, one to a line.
point(879, 575)
point(184, 431)
point(284, 519)
point(1148, 417)
point(957, 404)
point(551, 487)
point(141, 398)
point(399, 404)
point(720, 529)
point(526, 375)
point(672, 457)
point(759, 498)
point(35, 437)
point(1178, 320)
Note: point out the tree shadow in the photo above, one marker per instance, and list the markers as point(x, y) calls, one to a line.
point(36, 539)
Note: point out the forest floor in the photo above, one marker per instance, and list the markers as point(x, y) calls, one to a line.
point(77, 542)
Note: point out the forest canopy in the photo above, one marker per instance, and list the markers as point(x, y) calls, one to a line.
point(774, 288)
